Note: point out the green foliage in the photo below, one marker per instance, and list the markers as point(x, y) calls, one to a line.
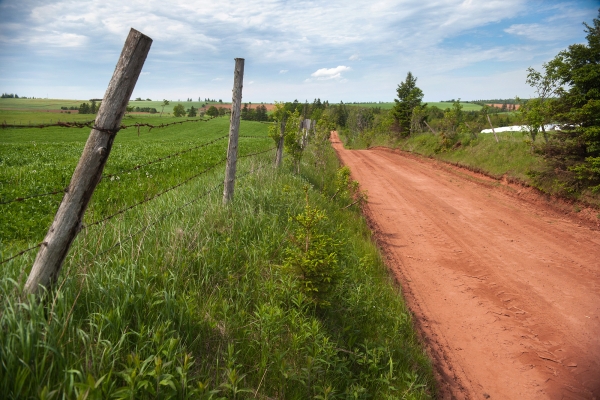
point(312, 254)
point(192, 112)
point(212, 111)
point(409, 97)
point(258, 113)
point(572, 152)
point(196, 306)
point(348, 190)
point(179, 110)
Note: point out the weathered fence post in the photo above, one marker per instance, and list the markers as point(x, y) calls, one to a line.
point(279, 157)
point(234, 128)
point(68, 219)
point(492, 126)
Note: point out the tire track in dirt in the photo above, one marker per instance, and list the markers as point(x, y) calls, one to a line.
point(506, 295)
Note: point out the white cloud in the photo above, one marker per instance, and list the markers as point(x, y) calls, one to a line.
point(534, 31)
point(195, 40)
point(330, 73)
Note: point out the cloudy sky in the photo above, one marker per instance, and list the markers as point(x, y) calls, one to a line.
point(334, 50)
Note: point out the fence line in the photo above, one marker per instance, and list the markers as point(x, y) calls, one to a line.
point(165, 215)
point(139, 166)
point(33, 196)
point(89, 124)
point(164, 158)
point(156, 195)
point(122, 211)
point(21, 253)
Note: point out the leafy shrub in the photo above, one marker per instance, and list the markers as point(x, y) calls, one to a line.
point(313, 254)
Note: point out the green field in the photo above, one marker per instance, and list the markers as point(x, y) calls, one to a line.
point(39, 111)
point(182, 297)
point(438, 104)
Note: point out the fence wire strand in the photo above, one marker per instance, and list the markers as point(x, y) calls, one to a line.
point(21, 253)
point(164, 158)
point(98, 222)
point(157, 195)
point(90, 124)
point(165, 215)
point(33, 196)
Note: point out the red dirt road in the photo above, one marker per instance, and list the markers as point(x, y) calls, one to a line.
point(505, 293)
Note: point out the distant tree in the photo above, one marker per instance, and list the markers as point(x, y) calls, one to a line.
point(212, 111)
point(192, 112)
point(179, 110)
point(84, 108)
point(409, 97)
point(163, 105)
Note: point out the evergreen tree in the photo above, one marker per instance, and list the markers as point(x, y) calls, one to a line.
point(409, 97)
point(573, 153)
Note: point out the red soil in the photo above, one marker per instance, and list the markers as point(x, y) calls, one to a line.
point(508, 106)
point(504, 289)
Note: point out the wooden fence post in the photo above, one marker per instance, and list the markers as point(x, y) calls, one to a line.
point(492, 126)
point(68, 219)
point(234, 128)
point(279, 157)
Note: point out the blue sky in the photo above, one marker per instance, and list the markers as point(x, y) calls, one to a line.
point(335, 50)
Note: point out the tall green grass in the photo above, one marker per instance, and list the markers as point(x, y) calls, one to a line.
point(190, 299)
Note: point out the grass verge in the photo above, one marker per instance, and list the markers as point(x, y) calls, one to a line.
point(191, 299)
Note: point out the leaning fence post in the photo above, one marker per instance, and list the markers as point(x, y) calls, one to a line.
point(69, 217)
point(279, 157)
point(493, 130)
point(234, 128)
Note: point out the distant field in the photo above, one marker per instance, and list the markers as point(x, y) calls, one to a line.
point(439, 104)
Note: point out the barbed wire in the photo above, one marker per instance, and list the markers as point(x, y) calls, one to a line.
point(164, 158)
point(157, 220)
point(21, 253)
point(172, 188)
point(64, 190)
point(258, 152)
point(89, 124)
point(254, 136)
point(98, 222)
point(165, 215)
point(157, 195)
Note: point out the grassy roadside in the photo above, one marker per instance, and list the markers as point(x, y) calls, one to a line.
point(200, 305)
point(512, 156)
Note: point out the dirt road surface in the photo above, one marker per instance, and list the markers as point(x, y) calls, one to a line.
point(505, 292)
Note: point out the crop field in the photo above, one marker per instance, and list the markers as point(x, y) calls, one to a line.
point(439, 104)
point(42, 160)
point(181, 297)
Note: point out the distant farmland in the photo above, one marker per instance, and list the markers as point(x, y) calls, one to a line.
point(439, 104)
